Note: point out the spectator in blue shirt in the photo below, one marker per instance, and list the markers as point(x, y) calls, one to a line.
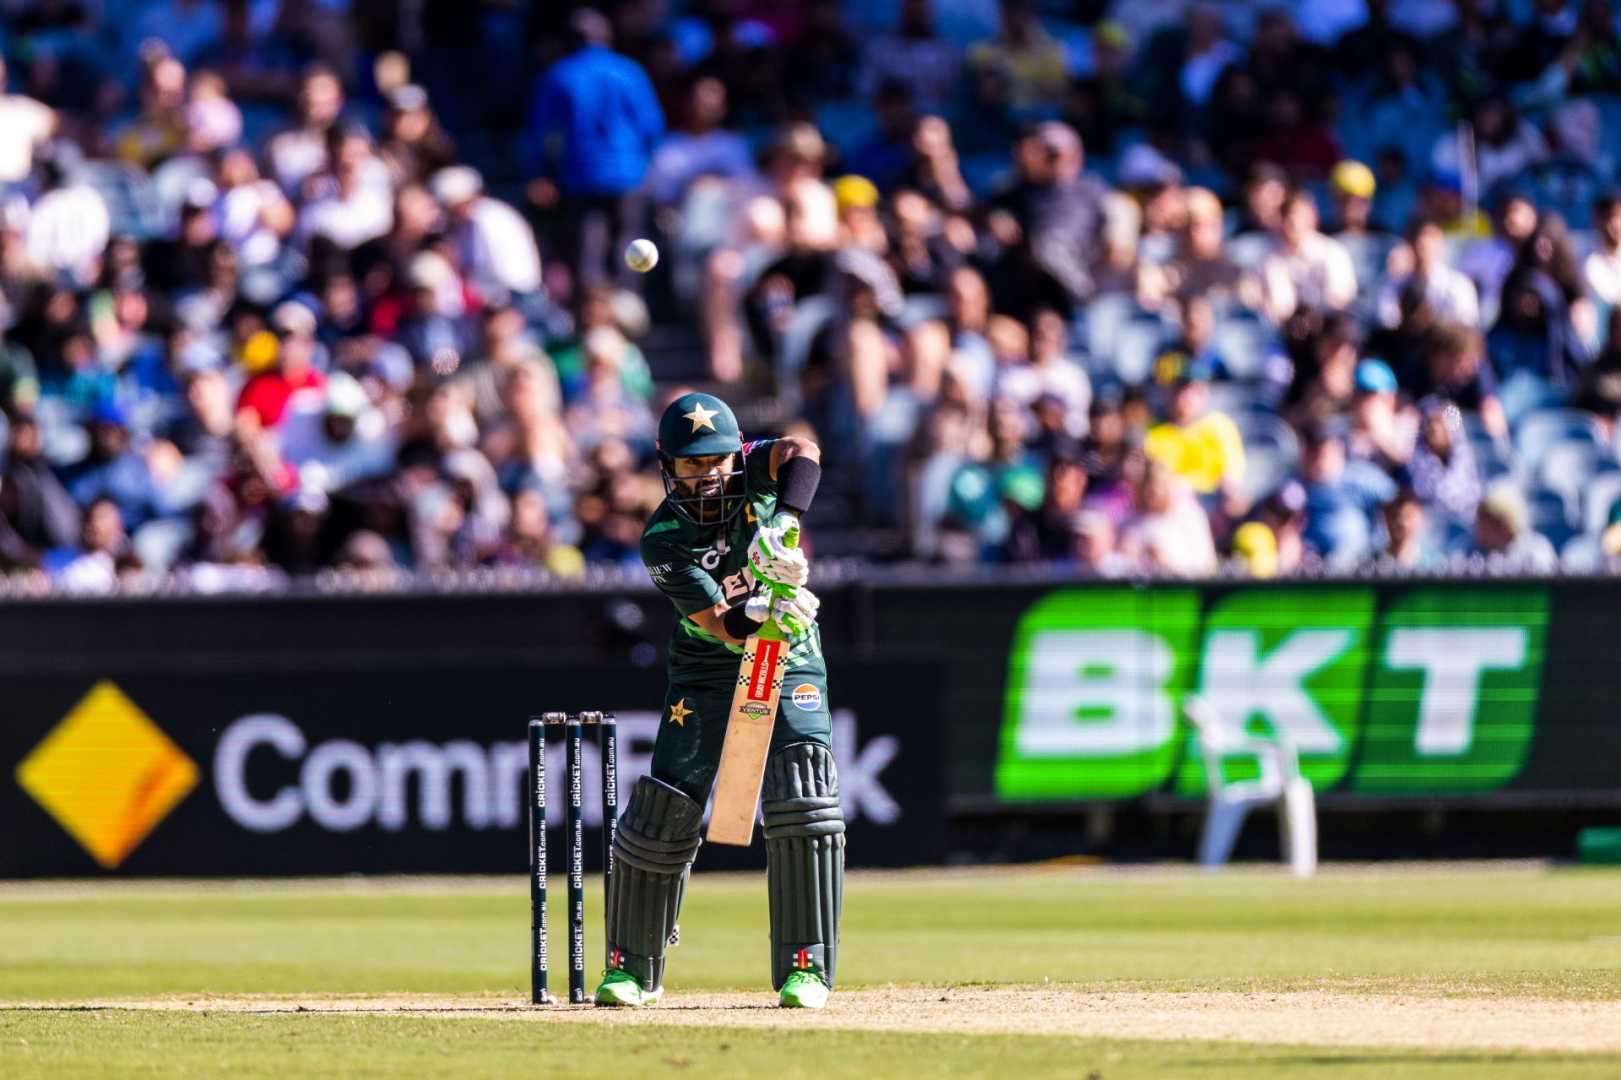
point(1340, 498)
point(113, 471)
point(594, 122)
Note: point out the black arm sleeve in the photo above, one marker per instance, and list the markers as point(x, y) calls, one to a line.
point(796, 483)
point(737, 622)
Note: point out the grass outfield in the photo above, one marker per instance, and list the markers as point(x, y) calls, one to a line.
point(1413, 971)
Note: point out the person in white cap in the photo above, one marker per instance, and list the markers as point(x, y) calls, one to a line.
point(68, 226)
point(337, 439)
point(25, 125)
point(497, 247)
point(435, 332)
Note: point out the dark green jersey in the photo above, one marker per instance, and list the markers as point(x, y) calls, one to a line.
point(699, 566)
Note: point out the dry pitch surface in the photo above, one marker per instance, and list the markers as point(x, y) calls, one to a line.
point(1311, 1018)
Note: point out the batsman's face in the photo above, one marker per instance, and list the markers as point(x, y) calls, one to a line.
point(703, 475)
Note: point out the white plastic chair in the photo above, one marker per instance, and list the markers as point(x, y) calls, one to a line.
point(1538, 430)
point(1104, 318)
point(1136, 347)
point(1280, 784)
point(1568, 468)
point(1582, 555)
point(1242, 343)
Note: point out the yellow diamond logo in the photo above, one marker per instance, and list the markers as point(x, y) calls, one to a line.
point(107, 774)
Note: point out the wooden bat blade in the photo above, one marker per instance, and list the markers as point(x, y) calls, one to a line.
point(748, 740)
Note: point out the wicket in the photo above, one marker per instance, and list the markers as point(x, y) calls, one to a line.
point(573, 725)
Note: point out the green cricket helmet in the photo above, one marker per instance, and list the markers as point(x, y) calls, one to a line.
point(702, 425)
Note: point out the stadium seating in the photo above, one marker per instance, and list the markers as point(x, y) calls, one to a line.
point(1537, 432)
point(1138, 343)
point(1242, 342)
point(1600, 494)
point(1551, 516)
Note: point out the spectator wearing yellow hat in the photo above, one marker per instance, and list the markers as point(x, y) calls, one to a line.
point(1197, 443)
point(1255, 549)
point(265, 396)
point(857, 201)
point(1352, 186)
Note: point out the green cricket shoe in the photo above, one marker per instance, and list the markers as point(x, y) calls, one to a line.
point(803, 990)
point(620, 988)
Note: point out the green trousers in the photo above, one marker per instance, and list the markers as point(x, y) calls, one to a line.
point(697, 704)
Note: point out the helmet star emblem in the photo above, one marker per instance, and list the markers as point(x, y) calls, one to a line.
point(701, 417)
point(679, 713)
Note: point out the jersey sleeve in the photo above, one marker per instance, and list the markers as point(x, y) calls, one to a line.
point(678, 577)
point(757, 466)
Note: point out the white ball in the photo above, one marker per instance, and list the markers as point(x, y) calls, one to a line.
point(641, 255)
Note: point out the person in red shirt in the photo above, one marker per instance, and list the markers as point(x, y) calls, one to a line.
point(265, 396)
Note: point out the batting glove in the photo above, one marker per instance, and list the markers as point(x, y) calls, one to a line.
point(774, 562)
point(794, 612)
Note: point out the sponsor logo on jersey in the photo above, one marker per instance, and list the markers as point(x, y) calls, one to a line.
point(807, 697)
point(711, 558)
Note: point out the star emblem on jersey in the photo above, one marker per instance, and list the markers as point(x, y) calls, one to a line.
point(679, 713)
point(701, 418)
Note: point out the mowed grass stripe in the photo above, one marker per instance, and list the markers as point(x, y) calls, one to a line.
point(120, 1044)
point(1554, 934)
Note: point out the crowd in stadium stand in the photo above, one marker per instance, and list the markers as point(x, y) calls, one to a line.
point(1164, 287)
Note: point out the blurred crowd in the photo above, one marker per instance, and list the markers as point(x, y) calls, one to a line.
point(1175, 288)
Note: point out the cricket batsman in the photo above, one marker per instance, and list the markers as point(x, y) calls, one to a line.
point(721, 547)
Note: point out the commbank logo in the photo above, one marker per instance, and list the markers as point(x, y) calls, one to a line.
point(107, 774)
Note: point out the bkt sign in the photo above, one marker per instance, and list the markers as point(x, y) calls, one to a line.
point(1436, 693)
point(270, 776)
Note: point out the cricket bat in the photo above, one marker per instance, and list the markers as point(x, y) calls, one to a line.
point(748, 729)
